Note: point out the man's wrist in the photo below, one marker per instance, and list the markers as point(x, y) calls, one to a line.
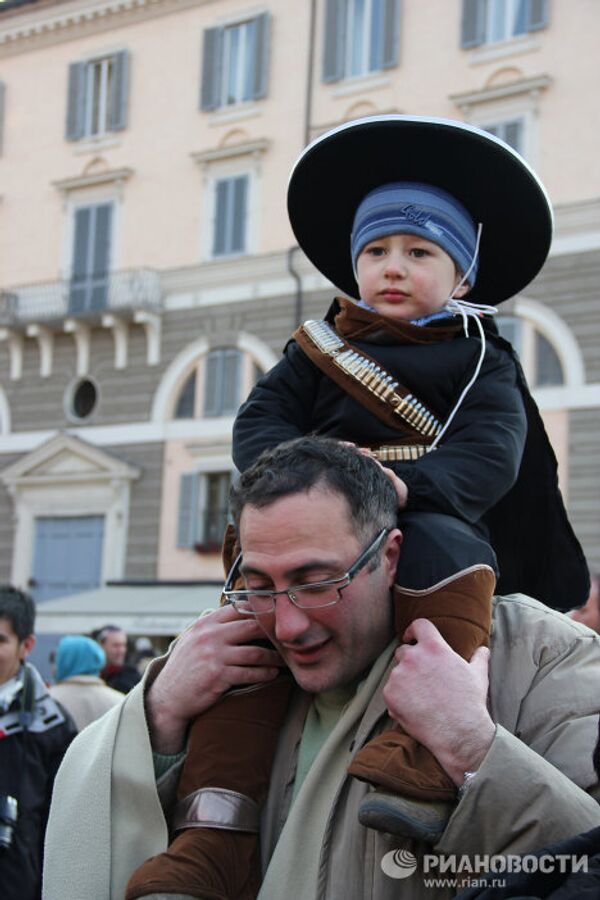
point(167, 732)
point(469, 757)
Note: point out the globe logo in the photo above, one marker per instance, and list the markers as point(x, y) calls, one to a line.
point(399, 863)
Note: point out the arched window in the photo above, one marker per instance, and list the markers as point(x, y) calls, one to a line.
point(217, 384)
point(540, 360)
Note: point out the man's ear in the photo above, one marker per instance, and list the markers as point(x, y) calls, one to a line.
point(391, 552)
point(26, 646)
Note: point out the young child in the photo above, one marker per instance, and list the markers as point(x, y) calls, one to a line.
point(417, 376)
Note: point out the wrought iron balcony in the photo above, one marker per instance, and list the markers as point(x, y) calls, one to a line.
point(121, 293)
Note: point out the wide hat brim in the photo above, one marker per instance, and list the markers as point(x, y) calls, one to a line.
point(494, 183)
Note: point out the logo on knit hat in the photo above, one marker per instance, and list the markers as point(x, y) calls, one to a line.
point(414, 214)
point(399, 864)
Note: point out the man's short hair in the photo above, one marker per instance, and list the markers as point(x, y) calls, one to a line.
point(296, 466)
point(19, 608)
point(102, 633)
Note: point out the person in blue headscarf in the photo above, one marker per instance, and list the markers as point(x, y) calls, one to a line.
point(79, 687)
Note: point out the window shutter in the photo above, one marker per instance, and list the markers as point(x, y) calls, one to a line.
point(119, 92)
point(2, 93)
point(237, 227)
point(473, 23)
point(230, 392)
point(187, 520)
point(212, 383)
point(390, 37)
point(261, 33)
point(335, 39)
point(76, 102)
point(100, 263)
point(537, 14)
point(212, 63)
point(79, 271)
point(513, 135)
point(222, 188)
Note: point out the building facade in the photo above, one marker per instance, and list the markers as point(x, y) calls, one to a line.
point(148, 273)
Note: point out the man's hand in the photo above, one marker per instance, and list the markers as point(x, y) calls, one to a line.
point(210, 657)
point(440, 699)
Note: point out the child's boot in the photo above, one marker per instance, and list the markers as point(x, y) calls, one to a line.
point(394, 762)
point(214, 854)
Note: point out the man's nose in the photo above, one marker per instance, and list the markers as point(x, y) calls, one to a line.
point(290, 621)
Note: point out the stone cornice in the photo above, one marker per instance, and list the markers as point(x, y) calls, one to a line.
point(501, 91)
point(251, 148)
point(112, 176)
point(49, 24)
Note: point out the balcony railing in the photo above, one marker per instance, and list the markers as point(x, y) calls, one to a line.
point(89, 297)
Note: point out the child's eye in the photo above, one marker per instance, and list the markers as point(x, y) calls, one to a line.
point(419, 252)
point(375, 250)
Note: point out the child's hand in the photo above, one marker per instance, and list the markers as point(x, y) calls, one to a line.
point(399, 485)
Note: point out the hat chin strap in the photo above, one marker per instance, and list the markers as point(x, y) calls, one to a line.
point(463, 308)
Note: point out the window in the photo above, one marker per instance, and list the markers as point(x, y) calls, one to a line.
point(97, 98)
point(235, 63)
point(230, 215)
point(185, 407)
point(222, 377)
point(490, 21)
point(203, 510)
point(540, 361)
point(83, 399)
point(361, 36)
point(511, 131)
point(91, 258)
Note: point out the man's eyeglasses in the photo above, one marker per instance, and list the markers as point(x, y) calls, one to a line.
point(305, 596)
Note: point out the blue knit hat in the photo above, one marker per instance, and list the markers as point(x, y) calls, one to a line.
point(78, 655)
point(411, 207)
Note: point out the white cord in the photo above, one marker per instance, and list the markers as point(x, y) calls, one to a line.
point(465, 309)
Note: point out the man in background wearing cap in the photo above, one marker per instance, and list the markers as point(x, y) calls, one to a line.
point(422, 381)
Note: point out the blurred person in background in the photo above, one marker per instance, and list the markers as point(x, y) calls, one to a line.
point(117, 673)
point(79, 687)
point(35, 732)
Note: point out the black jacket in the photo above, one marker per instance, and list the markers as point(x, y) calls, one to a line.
point(29, 760)
point(552, 884)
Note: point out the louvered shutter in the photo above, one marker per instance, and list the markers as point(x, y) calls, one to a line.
point(473, 23)
point(230, 389)
point(75, 125)
point(101, 255)
point(261, 27)
point(238, 206)
point(119, 92)
point(212, 383)
point(335, 39)
point(220, 220)
point(390, 38)
point(211, 72)
point(187, 517)
point(537, 14)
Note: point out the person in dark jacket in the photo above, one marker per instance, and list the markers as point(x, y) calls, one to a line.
point(117, 673)
point(420, 379)
point(35, 732)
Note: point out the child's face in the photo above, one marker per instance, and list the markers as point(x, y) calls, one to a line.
point(406, 277)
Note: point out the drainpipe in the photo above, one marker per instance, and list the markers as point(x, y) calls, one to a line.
point(299, 298)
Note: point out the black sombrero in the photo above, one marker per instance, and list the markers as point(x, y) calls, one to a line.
point(494, 183)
